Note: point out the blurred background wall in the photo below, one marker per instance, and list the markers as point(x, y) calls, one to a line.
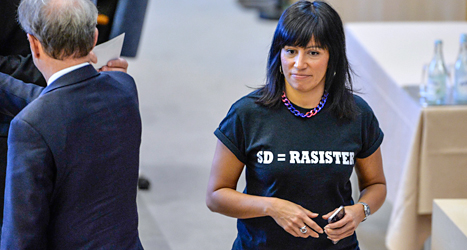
point(400, 10)
point(376, 10)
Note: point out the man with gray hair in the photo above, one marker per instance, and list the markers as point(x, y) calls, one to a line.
point(73, 152)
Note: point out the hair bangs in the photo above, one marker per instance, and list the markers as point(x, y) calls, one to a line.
point(298, 31)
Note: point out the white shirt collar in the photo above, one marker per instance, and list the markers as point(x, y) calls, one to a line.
point(64, 71)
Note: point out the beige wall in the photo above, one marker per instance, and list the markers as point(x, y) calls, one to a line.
point(400, 10)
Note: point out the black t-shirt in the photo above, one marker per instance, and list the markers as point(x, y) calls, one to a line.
point(307, 161)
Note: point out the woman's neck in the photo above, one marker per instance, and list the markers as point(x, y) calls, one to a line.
point(307, 100)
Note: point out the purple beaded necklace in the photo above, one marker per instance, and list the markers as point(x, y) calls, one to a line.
point(309, 113)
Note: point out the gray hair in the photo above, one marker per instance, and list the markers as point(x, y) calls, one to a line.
point(65, 28)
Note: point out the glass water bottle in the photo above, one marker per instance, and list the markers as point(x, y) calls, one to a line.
point(437, 83)
point(460, 72)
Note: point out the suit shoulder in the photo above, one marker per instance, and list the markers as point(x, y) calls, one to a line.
point(118, 75)
point(32, 115)
point(124, 81)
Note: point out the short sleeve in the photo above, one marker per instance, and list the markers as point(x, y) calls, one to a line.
point(231, 133)
point(372, 135)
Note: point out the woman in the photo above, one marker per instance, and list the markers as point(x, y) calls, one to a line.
point(299, 136)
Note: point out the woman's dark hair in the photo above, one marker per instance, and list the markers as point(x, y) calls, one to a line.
point(297, 25)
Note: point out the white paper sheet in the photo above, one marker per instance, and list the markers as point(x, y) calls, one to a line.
point(108, 51)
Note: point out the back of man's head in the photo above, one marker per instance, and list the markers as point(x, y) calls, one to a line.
point(65, 28)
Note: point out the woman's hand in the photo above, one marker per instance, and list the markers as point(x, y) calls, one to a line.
point(292, 217)
point(372, 185)
point(222, 197)
point(346, 226)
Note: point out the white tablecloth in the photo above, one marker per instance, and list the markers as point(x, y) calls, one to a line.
point(425, 149)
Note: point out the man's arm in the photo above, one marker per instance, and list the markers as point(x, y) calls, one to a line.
point(22, 68)
point(15, 94)
point(28, 189)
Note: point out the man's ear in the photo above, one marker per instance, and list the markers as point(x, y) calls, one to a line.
point(96, 35)
point(35, 45)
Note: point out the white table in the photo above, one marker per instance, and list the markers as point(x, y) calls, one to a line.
point(449, 224)
point(425, 148)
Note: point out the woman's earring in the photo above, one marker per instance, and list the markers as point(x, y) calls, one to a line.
point(280, 69)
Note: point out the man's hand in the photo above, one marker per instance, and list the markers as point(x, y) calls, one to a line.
point(118, 64)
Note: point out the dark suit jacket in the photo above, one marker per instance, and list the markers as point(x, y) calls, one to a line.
point(73, 163)
point(15, 58)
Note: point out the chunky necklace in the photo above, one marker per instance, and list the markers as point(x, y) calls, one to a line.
point(309, 113)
